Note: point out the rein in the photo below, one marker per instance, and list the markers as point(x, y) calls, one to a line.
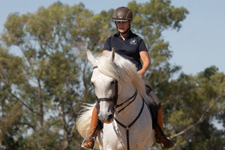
point(132, 97)
point(131, 124)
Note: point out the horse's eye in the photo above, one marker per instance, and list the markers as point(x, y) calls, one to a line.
point(112, 82)
point(92, 84)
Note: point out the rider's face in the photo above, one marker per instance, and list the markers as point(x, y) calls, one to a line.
point(122, 26)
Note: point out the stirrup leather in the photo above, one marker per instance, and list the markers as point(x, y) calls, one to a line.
point(89, 137)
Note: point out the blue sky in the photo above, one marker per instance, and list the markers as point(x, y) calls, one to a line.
point(199, 44)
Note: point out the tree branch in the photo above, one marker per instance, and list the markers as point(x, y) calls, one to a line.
point(24, 104)
point(201, 119)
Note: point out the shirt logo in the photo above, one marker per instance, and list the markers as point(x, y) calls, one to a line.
point(133, 42)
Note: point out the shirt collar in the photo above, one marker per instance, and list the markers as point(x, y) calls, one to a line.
point(130, 33)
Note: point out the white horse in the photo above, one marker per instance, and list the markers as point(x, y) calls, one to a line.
point(122, 103)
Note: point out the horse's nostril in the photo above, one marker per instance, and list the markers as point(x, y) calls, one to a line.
point(110, 117)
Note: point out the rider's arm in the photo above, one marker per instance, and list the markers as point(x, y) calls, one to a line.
point(145, 62)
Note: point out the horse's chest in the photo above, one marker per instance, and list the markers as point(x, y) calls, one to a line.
point(112, 138)
point(115, 137)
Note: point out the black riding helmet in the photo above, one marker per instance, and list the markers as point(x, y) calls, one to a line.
point(123, 14)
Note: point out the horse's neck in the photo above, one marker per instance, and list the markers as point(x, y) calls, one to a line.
point(125, 92)
point(128, 114)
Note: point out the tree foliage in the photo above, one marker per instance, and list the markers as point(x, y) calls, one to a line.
point(42, 87)
point(194, 103)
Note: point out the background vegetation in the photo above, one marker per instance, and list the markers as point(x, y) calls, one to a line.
point(44, 77)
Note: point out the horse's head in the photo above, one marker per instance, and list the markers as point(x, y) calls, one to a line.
point(115, 79)
point(106, 90)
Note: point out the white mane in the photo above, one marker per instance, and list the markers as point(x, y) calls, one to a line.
point(120, 69)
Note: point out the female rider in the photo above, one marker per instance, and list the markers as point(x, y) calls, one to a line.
point(133, 48)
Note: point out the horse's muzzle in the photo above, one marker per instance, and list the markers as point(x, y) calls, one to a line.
point(107, 120)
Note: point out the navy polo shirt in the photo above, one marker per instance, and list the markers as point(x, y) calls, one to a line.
point(128, 48)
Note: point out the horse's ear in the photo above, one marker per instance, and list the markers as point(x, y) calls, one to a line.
point(91, 58)
point(113, 54)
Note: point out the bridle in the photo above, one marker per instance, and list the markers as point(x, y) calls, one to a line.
point(128, 101)
point(114, 99)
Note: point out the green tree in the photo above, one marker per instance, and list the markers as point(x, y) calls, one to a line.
point(46, 84)
point(194, 103)
point(11, 78)
point(51, 41)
